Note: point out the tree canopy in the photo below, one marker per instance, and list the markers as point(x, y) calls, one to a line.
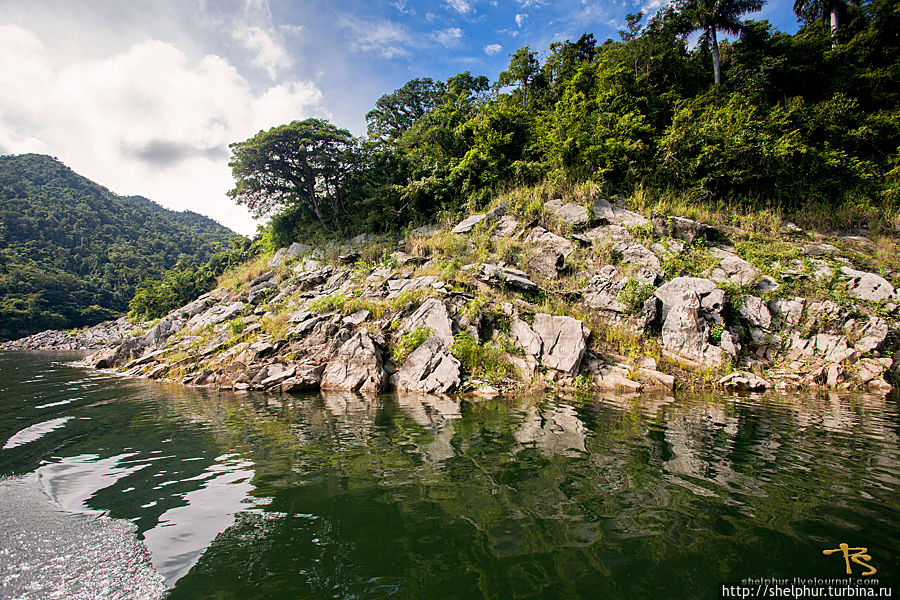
point(72, 252)
point(304, 162)
point(786, 119)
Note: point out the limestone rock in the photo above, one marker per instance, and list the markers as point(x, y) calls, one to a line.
point(357, 366)
point(508, 278)
point(711, 297)
point(734, 270)
point(563, 342)
point(787, 313)
point(755, 312)
point(432, 314)
point(602, 293)
point(638, 254)
point(469, 223)
point(615, 215)
point(572, 213)
point(525, 337)
point(429, 369)
point(282, 255)
point(870, 335)
point(867, 286)
point(506, 226)
point(744, 382)
point(685, 333)
point(682, 228)
point(541, 237)
point(356, 318)
point(547, 262)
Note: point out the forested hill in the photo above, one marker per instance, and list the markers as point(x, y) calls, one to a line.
point(72, 252)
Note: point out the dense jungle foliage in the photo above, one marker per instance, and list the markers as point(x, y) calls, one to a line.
point(72, 252)
point(796, 119)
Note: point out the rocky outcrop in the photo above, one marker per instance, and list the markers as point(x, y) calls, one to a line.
point(314, 323)
point(429, 369)
point(685, 334)
point(433, 315)
point(357, 367)
point(93, 338)
point(562, 340)
point(681, 228)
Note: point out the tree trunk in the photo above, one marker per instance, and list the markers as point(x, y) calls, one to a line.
point(834, 23)
point(717, 75)
point(310, 177)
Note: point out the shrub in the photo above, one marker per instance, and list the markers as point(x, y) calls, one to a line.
point(634, 294)
point(484, 360)
point(409, 341)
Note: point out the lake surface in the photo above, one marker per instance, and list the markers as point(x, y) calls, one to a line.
point(121, 488)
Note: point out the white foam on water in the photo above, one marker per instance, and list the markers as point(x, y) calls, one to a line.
point(48, 553)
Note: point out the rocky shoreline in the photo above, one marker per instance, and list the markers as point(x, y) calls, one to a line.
point(577, 297)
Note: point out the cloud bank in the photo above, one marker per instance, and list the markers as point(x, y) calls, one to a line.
point(146, 120)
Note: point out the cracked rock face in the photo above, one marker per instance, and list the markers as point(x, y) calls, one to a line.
point(357, 367)
point(429, 369)
point(432, 314)
point(685, 333)
point(563, 342)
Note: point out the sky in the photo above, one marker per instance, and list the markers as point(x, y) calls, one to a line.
point(144, 97)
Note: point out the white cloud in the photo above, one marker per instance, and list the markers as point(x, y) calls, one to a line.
point(145, 121)
point(520, 19)
point(384, 38)
point(460, 6)
point(492, 49)
point(271, 55)
point(448, 37)
point(526, 4)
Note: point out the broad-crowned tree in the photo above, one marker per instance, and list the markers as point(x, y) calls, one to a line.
point(301, 163)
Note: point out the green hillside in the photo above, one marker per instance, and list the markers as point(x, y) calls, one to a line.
point(72, 252)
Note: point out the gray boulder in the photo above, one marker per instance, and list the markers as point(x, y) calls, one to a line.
point(469, 223)
point(638, 254)
point(434, 315)
point(506, 226)
point(734, 270)
point(571, 213)
point(508, 278)
point(602, 293)
point(541, 237)
point(867, 286)
point(681, 228)
point(525, 337)
point(712, 299)
point(685, 333)
point(547, 262)
point(357, 367)
point(870, 336)
point(563, 343)
point(429, 369)
point(741, 381)
point(756, 313)
point(604, 211)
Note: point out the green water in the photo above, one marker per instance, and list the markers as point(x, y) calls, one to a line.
point(339, 496)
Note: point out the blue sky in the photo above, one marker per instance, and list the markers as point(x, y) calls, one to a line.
point(144, 97)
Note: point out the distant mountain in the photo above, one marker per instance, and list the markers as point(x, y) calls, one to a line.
point(72, 252)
